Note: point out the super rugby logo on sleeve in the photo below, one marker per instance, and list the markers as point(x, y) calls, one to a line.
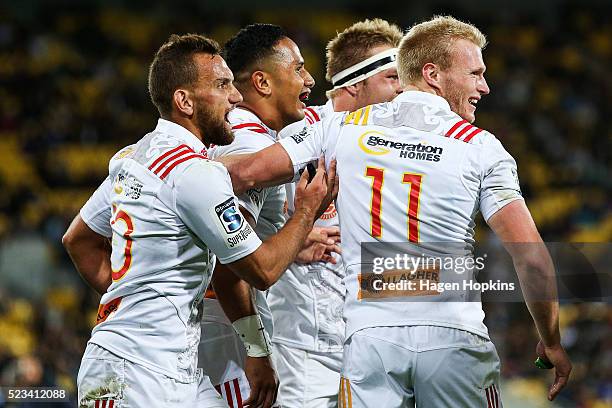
point(303, 134)
point(230, 217)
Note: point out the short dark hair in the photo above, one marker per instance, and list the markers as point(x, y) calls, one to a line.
point(251, 46)
point(174, 67)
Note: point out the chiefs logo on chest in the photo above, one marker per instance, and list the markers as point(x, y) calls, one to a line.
point(329, 213)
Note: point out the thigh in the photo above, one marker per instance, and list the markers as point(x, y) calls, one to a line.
point(101, 380)
point(307, 379)
point(375, 372)
point(221, 355)
point(234, 391)
point(210, 396)
point(322, 379)
point(290, 366)
point(465, 376)
point(107, 380)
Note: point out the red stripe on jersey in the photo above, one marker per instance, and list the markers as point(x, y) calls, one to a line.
point(172, 158)
point(472, 134)
point(228, 394)
point(313, 113)
point(257, 130)
point(249, 125)
point(177, 162)
point(462, 131)
point(169, 152)
point(455, 127)
point(488, 392)
point(237, 392)
point(97, 404)
point(111, 403)
point(309, 117)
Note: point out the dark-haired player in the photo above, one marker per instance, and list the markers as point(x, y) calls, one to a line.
point(269, 72)
point(171, 212)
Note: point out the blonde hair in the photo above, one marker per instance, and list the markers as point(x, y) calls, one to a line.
point(431, 42)
point(353, 45)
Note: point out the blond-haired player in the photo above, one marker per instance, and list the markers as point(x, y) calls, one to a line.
point(307, 304)
point(416, 171)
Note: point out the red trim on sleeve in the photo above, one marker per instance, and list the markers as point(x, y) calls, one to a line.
point(455, 127)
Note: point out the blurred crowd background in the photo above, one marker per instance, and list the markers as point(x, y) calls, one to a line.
point(73, 91)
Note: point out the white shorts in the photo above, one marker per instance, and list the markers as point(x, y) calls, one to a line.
point(429, 366)
point(221, 355)
point(107, 380)
point(307, 379)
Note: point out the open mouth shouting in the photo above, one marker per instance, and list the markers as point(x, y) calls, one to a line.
point(304, 96)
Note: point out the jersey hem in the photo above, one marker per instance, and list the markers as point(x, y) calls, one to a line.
point(294, 344)
point(186, 379)
point(355, 329)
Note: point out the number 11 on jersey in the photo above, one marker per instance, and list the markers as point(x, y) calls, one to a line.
point(378, 179)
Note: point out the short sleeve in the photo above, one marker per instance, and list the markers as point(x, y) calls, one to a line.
point(245, 142)
point(207, 205)
point(96, 212)
point(309, 143)
point(253, 201)
point(499, 179)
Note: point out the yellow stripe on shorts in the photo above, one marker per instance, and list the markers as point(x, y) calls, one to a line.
point(345, 397)
point(348, 388)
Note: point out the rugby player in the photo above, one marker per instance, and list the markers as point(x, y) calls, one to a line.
point(270, 74)
point(415, 170)
point(306, 303)
point(168, 229)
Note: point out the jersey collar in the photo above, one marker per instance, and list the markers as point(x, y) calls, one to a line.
point(241, 115)
point(174, 129)
point(329, 107)
point(423, 98)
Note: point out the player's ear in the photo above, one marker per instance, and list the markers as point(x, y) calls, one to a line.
point(431, 75)
point(183, 101)
point(261, 82)
point(353, 90)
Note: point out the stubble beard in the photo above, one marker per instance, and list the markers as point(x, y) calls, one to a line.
point(455, 100)
point(213, 131)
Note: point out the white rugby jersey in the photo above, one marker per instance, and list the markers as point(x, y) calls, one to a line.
point(307, 300)
point(172, 212)
point(96, 212)
point(266, 205)
point(410, 170)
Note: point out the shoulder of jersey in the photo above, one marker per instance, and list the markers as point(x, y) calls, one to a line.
point(358, 117)
point(461, 129)
point(313, 114)
point(165, 161)
point(255, 127)
point(455, 127)
point(127, 151)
